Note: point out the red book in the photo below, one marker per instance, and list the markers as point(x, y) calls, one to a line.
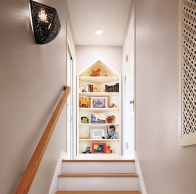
point(99, 148)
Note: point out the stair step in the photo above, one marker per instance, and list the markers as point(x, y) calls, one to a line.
point(98, 175)
point(98, 160)
point(98, 166)
point(98, 192)
point(98, 182)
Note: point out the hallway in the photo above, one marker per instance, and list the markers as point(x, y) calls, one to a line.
point(32, 77)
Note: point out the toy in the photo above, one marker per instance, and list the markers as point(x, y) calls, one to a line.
point(82, 89)
point(87, 150)
point(112, 105)
point(104, 74)
point(111, 132)
point(86, 135)
point(84, 103)
point(110, 119)
point(96, 72)
point(108, 150)
point(95, 89)
point(84, 120)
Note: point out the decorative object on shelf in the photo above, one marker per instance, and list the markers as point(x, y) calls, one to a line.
point(117, 87)
point(98, 148)
point(45, 22)
point(87, 150)
point(98, 118)
point(95, 73)
point(84, 102)
point(111, 132)
point(112, 88)
point(95, 89)
point(104, 74)
point(112, 105)
point(86, 135)
point(97, 132)
point(103, 91)
point(108, 150)
point(82, 89)
point(99, 102)
point(110, 119)
point(84, 120)
point(89, 88)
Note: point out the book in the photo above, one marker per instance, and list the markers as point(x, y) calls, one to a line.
point(97, 117)
point(98, 148)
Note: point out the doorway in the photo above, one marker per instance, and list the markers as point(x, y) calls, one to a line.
point(129, 91)
point(70, 104)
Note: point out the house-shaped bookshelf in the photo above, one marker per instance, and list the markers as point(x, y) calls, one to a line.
point(98, 93)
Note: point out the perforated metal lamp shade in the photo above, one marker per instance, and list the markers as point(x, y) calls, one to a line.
point(45, 22)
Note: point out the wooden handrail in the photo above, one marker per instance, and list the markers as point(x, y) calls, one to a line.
point(30, 172)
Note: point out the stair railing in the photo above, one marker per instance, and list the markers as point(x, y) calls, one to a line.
point(30, 172)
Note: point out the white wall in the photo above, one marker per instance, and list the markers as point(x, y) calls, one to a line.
point(31, 82)
point(166, 167)
point(87, 55)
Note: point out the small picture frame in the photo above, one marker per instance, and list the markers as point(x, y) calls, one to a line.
point(98, 102)
point(98, 132)
point(98, 148)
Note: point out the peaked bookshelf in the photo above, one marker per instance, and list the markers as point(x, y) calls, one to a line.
point(106, 87)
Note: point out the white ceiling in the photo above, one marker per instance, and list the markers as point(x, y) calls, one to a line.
point(110, 15)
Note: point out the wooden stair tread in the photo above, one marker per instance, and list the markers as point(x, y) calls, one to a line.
point(97, 192)
point(98, 160)
point(98, 175)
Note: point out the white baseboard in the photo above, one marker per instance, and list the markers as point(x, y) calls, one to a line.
point(138, 171)
point(53, 186)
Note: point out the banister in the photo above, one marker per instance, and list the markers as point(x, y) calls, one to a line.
point(30, 172)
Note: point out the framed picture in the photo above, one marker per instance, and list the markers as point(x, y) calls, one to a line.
point(98, 102)
point(97, 117)
point(98, 132)
point(98, 148)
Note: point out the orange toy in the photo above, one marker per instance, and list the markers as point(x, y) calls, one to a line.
point(96, 73)
point(84, 103)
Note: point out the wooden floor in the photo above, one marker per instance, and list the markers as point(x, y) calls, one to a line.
point(99, 160)
point(98, 192)
point(99, 175)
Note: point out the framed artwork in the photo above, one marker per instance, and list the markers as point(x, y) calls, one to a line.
point(98, 102)
point(99, 148)
point(97, 117)
point(98, 132)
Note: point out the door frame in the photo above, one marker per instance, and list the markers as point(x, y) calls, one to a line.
point(71, 45)
point(131, 32)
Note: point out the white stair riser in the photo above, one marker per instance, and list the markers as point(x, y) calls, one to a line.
point(98, 184)
point(98, 167)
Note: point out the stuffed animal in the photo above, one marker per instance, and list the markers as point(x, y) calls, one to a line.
point(96, 73)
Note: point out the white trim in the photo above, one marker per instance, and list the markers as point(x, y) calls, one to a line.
point(70, 42)
point(142, 188)
point(54, 184)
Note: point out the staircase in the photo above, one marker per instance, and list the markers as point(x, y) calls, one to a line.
point(98, 176)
